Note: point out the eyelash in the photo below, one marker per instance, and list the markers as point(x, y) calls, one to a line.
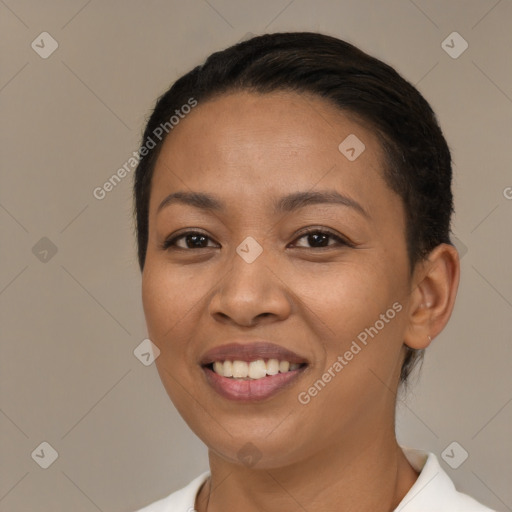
point(171, 242)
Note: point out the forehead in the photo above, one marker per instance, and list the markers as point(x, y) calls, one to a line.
point(261, 145)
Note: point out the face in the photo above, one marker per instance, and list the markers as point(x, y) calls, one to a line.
point(323, 274)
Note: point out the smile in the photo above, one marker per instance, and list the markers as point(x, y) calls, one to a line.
point(246, 388)
point(251, 371)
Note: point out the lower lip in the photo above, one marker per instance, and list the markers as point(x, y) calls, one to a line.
point(251, 390)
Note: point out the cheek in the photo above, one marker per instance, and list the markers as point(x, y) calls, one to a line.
point(168, 302)
point(172, 302)
point(357, 312)
point(345, 297)
point(170, 297)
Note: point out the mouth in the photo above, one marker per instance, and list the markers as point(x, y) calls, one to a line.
point(250, 372)
point(253, 370)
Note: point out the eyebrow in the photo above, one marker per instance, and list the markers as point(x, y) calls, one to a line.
point(284, 204)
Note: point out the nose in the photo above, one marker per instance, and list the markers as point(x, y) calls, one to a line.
point(250, 293)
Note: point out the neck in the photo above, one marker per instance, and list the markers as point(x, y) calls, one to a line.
point(356, 476)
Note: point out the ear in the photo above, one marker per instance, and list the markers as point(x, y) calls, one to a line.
point(433, 290)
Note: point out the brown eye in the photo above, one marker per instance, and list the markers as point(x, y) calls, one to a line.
point(192, 240)
point(319, 239)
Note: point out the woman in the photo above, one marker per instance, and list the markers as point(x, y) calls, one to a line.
point(293, 203)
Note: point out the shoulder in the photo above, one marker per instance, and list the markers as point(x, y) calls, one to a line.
point(434, 490)
point(182, 500)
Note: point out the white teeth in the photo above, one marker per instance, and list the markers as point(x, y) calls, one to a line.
point(218, 367)
point(257, 369)
point(272, 367)
point(240, 369)
point(254, 370)
point(228, 369)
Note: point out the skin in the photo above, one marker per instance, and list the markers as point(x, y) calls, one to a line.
point(248, 150)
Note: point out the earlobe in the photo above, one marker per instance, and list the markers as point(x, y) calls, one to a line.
point(435, 285)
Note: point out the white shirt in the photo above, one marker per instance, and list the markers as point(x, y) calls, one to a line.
point(433, 491)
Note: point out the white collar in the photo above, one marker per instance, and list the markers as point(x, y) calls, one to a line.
point(434, 490)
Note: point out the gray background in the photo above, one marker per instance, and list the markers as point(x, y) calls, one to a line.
point(71, 320)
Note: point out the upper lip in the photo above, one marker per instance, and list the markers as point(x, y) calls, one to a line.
point(252, 351)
